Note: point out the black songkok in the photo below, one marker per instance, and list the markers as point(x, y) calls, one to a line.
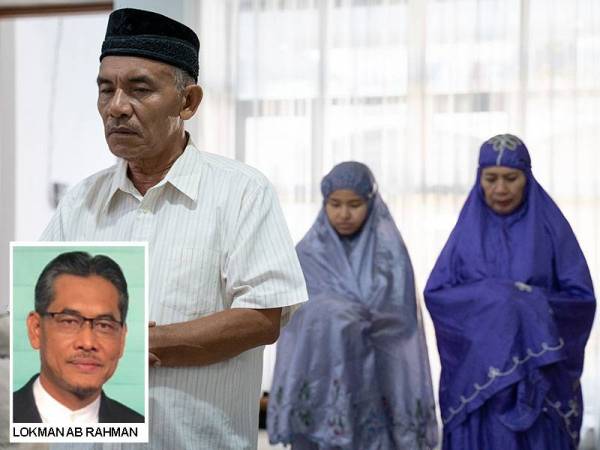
point(133, 32)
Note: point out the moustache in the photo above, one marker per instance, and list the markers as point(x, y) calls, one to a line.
point(121, 128)
point(84, 358)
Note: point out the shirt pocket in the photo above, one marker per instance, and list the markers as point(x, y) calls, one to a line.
point(192, 286)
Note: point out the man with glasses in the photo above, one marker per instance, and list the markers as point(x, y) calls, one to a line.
point(79, 328)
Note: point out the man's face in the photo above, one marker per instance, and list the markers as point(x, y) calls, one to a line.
point(75, 364)
point(140, 106)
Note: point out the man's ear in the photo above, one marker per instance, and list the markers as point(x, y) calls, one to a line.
point(34, 329)
point(192, 96)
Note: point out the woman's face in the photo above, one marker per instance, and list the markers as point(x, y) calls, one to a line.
point(503, 188)
point(346, 211)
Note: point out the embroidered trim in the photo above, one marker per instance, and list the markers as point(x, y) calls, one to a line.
point(504, 142)
point(573, 411)
point(374, 418)
point(494, 373)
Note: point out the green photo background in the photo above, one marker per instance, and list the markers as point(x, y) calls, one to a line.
point(127, 383)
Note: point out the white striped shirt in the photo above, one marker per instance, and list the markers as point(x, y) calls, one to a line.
point(217, 240)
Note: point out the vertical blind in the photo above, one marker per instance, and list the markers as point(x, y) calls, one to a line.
point(411, 88)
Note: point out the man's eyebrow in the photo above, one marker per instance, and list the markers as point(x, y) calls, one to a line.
point(70, 311)
point(107, 316)
point(136, 79)
point(140, 79)
point(100, 80)
point(100, 316)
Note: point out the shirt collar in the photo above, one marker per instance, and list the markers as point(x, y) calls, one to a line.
point(184, 175)
point(52, 411)
point(119, 180)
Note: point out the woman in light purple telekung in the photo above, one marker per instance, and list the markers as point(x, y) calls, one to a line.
point(512, 302)
point(352, 370)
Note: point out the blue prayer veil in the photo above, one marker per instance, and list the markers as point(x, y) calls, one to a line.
point(512, 302)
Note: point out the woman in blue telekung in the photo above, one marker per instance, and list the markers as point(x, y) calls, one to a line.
point(512, 302)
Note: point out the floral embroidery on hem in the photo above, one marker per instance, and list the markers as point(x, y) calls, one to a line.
point(494, 373)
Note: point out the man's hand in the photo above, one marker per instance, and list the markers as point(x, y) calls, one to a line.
point(214, 338)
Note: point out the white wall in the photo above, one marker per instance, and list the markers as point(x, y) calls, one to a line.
point(7, 155)
point(58, 131)
point(173, 9)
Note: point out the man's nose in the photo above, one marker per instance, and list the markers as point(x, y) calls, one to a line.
point(86, 337)
point(120, 104)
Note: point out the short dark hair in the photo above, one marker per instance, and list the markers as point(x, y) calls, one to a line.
point(80, 264)
point(182, 79)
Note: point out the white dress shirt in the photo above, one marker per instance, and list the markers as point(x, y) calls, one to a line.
point(217, 240)
point(54, 412)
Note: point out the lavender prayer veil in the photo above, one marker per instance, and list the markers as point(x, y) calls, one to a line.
point(351, 175)
point(352, 369)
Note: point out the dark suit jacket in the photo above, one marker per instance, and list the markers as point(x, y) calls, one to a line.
point(25, 410)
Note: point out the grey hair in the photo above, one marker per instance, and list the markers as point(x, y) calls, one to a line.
point(80, 264)
point(182, 79)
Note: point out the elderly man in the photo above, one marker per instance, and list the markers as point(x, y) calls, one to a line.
point(222, 264)
point(76, 360)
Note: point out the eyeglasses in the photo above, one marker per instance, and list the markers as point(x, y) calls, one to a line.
point(70, 323)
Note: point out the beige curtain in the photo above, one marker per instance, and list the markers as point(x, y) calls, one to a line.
point(412, 88)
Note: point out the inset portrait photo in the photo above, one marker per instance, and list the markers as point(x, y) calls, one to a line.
point(78, 342)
